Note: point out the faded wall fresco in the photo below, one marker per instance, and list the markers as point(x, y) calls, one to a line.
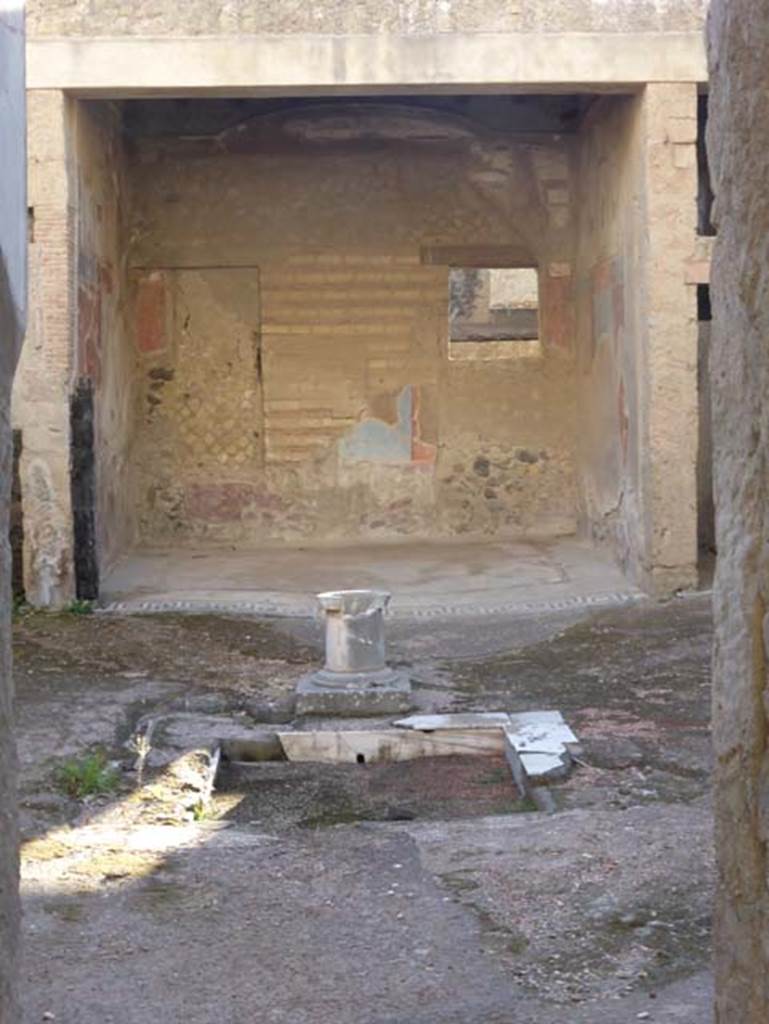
point(103, 355)
point(301, 387)
point(375, 440)
point(610, 279)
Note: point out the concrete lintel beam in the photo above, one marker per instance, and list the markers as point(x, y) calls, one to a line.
point(245, 65)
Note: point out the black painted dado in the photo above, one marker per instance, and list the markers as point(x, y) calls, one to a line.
point(17, 522)
point(83, 484)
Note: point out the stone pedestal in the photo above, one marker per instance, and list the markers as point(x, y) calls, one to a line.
point(355, 679)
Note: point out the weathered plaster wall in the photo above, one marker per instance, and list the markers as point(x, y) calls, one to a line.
point(291, 285)
point(638, 332)
point(12, 315)
point(201, 17)
point(611, 297)
point(43, 382)
point(738, 144)
point(104, 356)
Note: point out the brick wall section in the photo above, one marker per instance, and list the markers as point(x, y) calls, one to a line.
point(368, 322)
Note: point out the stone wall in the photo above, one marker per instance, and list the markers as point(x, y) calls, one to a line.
point(201, 17)
point(291, 290)
point(738, 143)
point(12, 315)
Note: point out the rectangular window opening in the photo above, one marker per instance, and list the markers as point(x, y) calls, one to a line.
point(493, 312)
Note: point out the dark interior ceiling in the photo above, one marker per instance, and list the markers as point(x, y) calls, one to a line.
point(514, 114)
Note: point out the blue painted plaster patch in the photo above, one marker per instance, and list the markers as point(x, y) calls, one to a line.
point(373, 440)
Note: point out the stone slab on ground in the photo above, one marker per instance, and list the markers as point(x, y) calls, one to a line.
point(541, 739)
point(461, 720)
point(188, 731)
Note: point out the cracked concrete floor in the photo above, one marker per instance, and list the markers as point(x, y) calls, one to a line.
point(597, 914)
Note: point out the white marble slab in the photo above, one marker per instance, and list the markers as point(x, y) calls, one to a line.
point(463, 720)
point(535, 742)
point(371, 745)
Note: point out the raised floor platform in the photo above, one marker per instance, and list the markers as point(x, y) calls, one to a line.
point(426, 579)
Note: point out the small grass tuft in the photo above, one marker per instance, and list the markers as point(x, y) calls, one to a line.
point(90, 775)
point(80, 607)
point(200, 811)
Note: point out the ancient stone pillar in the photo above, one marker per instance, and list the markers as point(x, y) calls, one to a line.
point(738, 145)
point(354, 621)
point(355, 679)
point(12, 308)
point(668, 356)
